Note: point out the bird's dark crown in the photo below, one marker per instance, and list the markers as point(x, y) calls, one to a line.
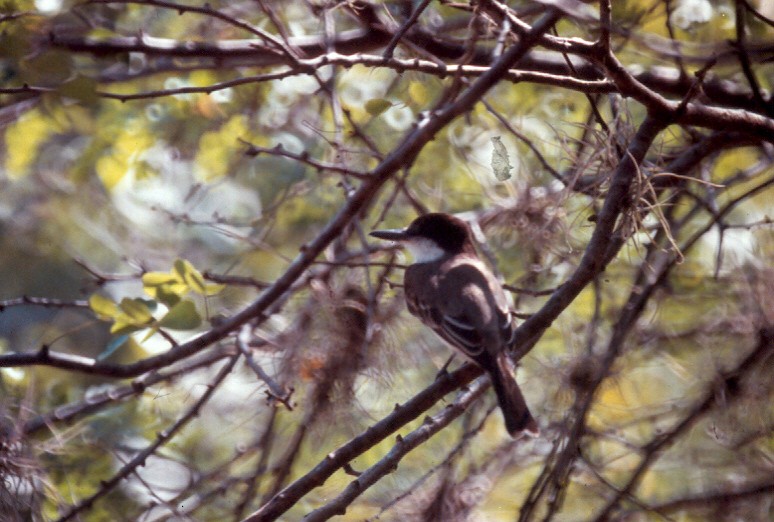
point(448, 232)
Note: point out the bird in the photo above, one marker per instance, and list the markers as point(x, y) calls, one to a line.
point(451, 290)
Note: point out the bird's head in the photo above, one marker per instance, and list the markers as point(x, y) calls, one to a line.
point(431, 237)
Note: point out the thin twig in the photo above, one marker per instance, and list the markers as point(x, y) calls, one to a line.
point(275, 391)
point(161, 438)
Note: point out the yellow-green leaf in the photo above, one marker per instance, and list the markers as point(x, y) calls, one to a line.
point(110, 170)
point(123, 327)
point(376, 106)
point(159, 278)
point(190, 275)
point(418, 93)
point(151, 332)
point(23, 140)
point(80, 88)
point(136, 310)
point(168, 294)
point(213, 288)
point(105, 308)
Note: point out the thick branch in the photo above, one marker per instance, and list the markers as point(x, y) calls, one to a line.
point(594, 258)
point(403, 155)
point(389, 462)
point(97, 402)
point(231, 54)
point(332, 462)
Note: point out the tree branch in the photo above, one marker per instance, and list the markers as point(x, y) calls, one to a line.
point(161, 439)
point(594, 258)
point(656, 447)
point(389, 462)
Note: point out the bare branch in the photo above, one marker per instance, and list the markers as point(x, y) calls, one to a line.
point(275, 391)
point(403, 414)
point(162, 438)
point(595, 257)
point(70, 412)
point(404, 445)
point(45, 302)
point(653, 450)
point(304, 158)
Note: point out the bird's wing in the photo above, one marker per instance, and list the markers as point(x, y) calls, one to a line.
point(467, 336)
point(477, 319)
point(507, 327)
point(458, 330)
point(462, 333)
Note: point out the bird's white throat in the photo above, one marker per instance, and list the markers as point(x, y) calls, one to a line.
point(424, 250)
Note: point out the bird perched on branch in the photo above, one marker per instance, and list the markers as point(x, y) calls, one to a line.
point(453, 292)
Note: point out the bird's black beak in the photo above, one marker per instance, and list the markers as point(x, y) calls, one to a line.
point(395, 234)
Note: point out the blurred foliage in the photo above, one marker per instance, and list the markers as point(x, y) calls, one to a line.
point(148, 216)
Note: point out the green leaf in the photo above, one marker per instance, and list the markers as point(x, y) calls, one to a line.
point(80, 88)
point(49, 68)
point(137, 311)
point(182, 316)
point(121, 326)
point(105, 308)
point(376, 106)
point(169, 295)
point(165, 287)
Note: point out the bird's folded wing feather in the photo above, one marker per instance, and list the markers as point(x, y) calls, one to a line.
point(462, 334)
point(460, 322)
point(458, 331)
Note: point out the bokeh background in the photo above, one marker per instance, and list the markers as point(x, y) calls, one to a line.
point(164, 163)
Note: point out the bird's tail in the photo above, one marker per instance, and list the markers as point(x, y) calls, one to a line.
point(517, 417)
